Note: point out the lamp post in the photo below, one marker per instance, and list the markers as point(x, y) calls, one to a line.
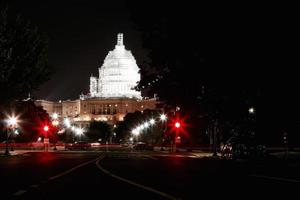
point(55, 123)
point(151, 123)
point(163, 118)
point(12, 123)
point(252, 128)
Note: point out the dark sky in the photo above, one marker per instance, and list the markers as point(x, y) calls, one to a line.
point(81, 33)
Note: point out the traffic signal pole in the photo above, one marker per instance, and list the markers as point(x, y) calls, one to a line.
point(46, 139)
point(175, 143)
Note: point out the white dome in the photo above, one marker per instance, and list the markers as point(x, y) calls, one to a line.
point(118, 75)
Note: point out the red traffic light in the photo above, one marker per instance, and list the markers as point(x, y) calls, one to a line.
point(46, 128)
point(177, 124)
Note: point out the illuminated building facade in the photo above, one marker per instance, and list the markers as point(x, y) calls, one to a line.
point(118, 75)
point(112, 94)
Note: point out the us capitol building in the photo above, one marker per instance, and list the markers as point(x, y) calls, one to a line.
point(111, 95)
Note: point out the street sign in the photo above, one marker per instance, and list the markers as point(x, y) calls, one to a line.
point(46, 140)
point(178, 139)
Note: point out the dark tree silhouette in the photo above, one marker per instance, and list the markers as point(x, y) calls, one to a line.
point(99, 130)
point(214, 61)
point(23, 57)
point(32, 120)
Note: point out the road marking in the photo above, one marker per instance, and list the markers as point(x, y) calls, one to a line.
point(34, 186)
point(168, 196)
point(276, 178)
point(151, 157)
point(20, 192)
point(72, 169)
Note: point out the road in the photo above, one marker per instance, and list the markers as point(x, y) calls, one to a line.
point(141, 175)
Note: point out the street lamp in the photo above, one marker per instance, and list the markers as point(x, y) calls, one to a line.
point(54, 116)
point(55, 123)
point(163, 118)
point(67, 122)
point(12, 123)
point(251, 110)
point(79, 131)
point(152, 121)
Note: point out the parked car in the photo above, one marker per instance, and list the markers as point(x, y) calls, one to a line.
point(142, 146)
point(237, 149)
point(80, 145)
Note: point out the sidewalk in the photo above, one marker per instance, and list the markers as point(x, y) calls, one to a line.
point(20, 152)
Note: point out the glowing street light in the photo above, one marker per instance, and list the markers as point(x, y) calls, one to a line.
point(146, 125)
point(142, 127)
point(78, 131)
point(54, 116)
point(67, 123)
point(251, 110)
point(163, 117)
point(152, 121)
point(12, 123)
point(73, 128)
point(135, 132)
point(55, 123)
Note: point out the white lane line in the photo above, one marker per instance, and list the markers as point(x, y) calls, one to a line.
point(72, 169)
point(20, 192)
point(168, 196)
point(276, 178)
point(34, 186)
point(151, 157)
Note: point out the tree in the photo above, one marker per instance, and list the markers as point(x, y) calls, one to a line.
point(23, 58)
point(208, 62)
point(32, 120)
point(99, 130)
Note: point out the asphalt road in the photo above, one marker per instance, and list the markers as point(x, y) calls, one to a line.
point(125, 175)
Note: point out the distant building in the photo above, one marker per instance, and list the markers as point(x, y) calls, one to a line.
point(118, 75)
point(112, 94)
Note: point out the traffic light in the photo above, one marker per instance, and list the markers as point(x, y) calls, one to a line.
point(46, 128)
point(177, 124)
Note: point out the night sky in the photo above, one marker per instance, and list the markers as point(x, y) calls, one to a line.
point(254, 37)
point(80, 35)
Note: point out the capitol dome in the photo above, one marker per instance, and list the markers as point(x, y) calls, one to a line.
point(118, 75)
